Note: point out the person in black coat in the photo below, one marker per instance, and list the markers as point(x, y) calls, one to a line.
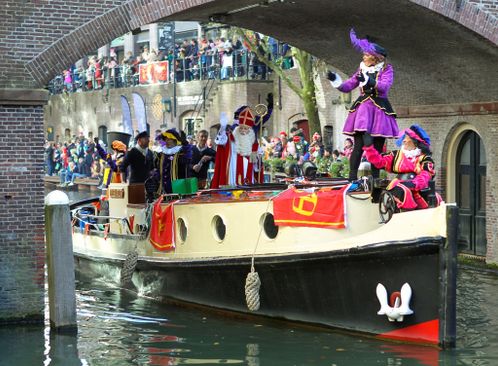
point(140, 160)
point(202, 155)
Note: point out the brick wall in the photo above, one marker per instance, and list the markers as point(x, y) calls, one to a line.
point(28, 27)
point(22, 250)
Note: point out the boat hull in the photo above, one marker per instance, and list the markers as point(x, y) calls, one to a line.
point(333, 288)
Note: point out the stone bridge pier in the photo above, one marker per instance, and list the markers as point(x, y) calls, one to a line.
point(444, 52)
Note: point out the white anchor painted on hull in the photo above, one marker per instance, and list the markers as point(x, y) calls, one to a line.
point(400, 308)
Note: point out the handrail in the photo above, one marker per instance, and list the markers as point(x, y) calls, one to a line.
point(201, 67)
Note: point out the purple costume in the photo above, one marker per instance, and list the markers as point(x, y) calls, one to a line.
point(371, 112)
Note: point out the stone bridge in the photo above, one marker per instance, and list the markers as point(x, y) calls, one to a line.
point(445, 52)
point(450, 42)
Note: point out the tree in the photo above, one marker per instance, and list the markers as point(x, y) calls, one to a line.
point(308, 66)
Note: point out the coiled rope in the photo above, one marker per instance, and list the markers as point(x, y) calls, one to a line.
point(253, 283)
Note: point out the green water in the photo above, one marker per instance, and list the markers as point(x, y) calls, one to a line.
point(116, 327)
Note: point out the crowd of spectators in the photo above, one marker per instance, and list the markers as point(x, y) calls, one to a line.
point(294, 148)
point(73, 159)
point(78, 157)
point(218, 58)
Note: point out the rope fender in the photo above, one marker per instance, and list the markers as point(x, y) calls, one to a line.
point(253, 283)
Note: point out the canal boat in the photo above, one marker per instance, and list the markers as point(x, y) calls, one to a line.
point(310, 252)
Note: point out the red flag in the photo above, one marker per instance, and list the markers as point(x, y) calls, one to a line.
point(161, 71)
point(162, 229)
point(131, 220)
point(322, 208)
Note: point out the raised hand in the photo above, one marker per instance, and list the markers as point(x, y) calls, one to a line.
point(223, 119)
point(360, 77)
point(269, 99)
point(331, 75)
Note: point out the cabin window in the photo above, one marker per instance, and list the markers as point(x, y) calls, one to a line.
point(269, 227)
point(182, 229)
point(219, 228)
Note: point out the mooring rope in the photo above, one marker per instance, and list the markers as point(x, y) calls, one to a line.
point(131, 260)
point(253, 283)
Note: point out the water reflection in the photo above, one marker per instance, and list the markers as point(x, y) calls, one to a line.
point(116, 327)
point(138, 331)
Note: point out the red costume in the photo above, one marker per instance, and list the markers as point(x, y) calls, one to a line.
point(415, 168)
point(237, 161)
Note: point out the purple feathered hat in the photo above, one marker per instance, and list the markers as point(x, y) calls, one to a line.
point(365, 46)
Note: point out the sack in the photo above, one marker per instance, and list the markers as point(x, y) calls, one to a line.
point(184, 186)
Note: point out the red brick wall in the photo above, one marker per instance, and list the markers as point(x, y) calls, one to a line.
point(28, 27)
point(477, 15)
point(22, 247)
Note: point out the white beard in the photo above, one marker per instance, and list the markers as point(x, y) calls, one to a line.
point(243, 143)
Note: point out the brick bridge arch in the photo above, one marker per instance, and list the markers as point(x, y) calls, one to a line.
point(452, 42)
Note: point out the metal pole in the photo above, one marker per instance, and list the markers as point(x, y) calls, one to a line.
point(448, 259)
point(60, 263)
point(204, 102)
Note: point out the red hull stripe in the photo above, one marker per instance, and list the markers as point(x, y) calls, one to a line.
point(427, 332)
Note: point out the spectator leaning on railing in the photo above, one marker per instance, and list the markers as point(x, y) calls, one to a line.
point(195, 60)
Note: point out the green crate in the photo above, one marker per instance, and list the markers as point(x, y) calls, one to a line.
point(184, 186)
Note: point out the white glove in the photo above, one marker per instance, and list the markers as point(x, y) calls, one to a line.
point(223, 120)
point(365, 75)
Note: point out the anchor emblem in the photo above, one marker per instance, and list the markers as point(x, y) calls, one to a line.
point(399, 302)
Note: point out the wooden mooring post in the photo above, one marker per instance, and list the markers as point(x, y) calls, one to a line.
point(60, 263)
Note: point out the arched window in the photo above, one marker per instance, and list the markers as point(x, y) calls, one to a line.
point(67, 134)
point(471, 194)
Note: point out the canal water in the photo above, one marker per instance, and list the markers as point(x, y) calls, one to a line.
point(118, 327)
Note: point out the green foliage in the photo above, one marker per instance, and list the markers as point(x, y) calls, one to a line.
point(322, 164)
point(274, 164)
point(336, 169)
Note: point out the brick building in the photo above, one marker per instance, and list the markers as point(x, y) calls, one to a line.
point(446, 83)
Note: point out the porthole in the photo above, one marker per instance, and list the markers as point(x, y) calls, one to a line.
point(269, 227)
point(219, 228)
point(182, 229)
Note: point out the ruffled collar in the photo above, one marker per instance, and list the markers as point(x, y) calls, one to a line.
point(171, 150)
point(371, 69)
point(412, 154)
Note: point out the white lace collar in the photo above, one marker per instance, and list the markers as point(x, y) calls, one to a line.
point(370, 69)
point(171, 150)
point(411, 154)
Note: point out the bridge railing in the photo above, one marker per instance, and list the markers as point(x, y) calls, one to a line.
point(237, 65)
